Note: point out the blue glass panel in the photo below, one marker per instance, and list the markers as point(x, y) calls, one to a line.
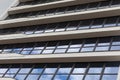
point(76, 77)
point(61, 77)
point(46, 77)
point(109, 77)
point(92, 77)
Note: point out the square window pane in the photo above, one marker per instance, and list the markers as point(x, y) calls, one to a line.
point(37, 70)
point(76, 77)
point(24, 70)
point(3, 70)
point(47, 52)
point(20, 77)
point(115, 43)
point(92, 77)
point(25, 52)
point(75, 45)
point(13, 70)
point(32, 77)
point(111, 70)
point(115, 48)
point(60, 51)
point(60, 77)
point(104, 48)
point(87, 49)
point(73, 50)
point(64, 71)
point(50, 70)
point(36, 51)
point(9, 75)
point(109, 77)
point(79, 70)
point(60, 29)
point(46, 77)
point(95, 70)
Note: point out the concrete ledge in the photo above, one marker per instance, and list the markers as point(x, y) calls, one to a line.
point(63, 3)
point(7, 79)
point(69, 57)
point(10, 55)
point(113, 11)
point(78, 34)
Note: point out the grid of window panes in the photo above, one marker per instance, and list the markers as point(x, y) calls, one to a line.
point(62, 71)
point(69, 9)
point(34, 2)
point(64, 46)
point(65, 26)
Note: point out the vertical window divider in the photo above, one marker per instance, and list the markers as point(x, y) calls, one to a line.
point(44, 47)
point(42, 71)
point(79, 25)
point(56, 72)
point(102, 72)
point(118, 77)
point(71, 71)
point(29, 73)
point(117, 22)
point(7, 70)
point(87, 69)
point(82, 45)
point(96, 44)
point(18, 71)
point(68, 46)
point(55, 47)
point(110, 44)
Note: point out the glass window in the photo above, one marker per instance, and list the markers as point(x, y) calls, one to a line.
point(25, 70)
point(12, 70)
point(60, 77)
point(32, 77)
point(111, 70)
point(97, 23)
point(46, 77)
point(36, 51)
point(73, 50)
point(87, 49)
point(92, 77)
point(115, 48)
point(25, 52)
point(64, 71)
point(50, 70)
point(76, 77)
point(102, 48)
point(79, 70)
point(85, 24)
point(37, 70)
point(95, 70)
point(47, 51)
point(60, 50)
point(20, 77)
point(3, 70)
point(110, 22)
point(109, 77)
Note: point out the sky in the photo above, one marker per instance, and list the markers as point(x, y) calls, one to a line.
point(4, 4)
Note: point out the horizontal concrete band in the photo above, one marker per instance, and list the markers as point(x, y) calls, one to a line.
point(27, 8)
point(56, 58)
point(113, 11)
point(78, 34)
point(7, 79)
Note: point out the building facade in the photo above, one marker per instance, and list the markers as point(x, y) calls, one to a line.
point(60, 40)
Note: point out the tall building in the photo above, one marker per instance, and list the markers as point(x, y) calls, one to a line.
point(60, 40)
